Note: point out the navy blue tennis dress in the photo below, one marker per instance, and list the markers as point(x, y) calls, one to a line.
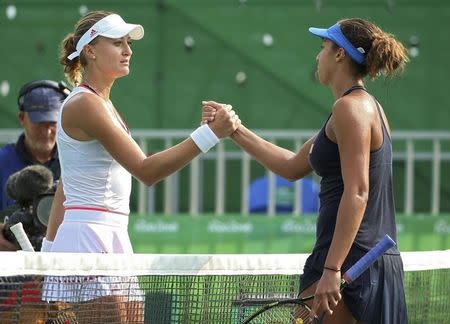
point(378, 295)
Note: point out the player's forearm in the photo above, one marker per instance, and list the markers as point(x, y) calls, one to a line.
point(271, 156)
point(56, 213)
point(162, 164)
point(350, 213)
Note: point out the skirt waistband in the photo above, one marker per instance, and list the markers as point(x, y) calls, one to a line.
point(95, 216)
point(99, 209)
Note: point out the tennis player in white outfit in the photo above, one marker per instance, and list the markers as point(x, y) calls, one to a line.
point(98, 156)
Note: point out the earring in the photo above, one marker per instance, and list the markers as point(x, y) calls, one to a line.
point(93, 57)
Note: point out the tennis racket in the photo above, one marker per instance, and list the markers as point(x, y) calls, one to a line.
point(295, 310)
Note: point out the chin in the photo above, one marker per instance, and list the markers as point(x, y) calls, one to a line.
point(45, 146)
point(122, 74)
point(322, 80)
point(318, 77)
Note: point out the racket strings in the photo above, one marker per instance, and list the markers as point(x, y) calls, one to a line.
point(283, 314)
point(300, 314)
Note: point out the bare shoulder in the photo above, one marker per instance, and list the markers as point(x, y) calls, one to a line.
point(354, 109)
point(83, 104)
point(85, 116)
point(86, 109)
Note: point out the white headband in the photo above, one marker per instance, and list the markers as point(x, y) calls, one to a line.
point(112, 26)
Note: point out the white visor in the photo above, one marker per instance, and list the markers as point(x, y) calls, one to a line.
point(112, 26)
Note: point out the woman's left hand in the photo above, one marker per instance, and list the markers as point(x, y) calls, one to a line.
point(327, 294)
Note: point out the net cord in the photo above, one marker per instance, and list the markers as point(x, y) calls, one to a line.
point(41, 263)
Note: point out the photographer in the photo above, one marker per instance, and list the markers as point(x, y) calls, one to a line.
point(39, 105)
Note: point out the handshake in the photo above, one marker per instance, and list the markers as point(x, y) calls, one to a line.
point(221, 118)
point(218, 121)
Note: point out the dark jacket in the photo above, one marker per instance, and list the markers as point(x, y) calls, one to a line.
point(14, 157)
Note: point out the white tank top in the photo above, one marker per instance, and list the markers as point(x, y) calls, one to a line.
point(90, 175)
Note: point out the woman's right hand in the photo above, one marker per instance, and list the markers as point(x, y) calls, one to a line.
point(221, 118)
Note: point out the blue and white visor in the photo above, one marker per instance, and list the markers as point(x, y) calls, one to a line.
point(335, 34)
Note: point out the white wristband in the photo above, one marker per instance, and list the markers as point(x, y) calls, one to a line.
point(46, 245)
point(204, 138)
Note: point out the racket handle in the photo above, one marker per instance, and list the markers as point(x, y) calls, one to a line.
point(21, 237)
point(368, 259)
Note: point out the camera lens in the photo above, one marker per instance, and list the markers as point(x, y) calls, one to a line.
point(43, 207)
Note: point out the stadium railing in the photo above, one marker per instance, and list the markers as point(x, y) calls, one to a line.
point(410, 153)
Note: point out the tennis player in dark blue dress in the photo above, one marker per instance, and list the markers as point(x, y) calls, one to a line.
point(353, 155)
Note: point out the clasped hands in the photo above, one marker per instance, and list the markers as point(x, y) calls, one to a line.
point(221, 118)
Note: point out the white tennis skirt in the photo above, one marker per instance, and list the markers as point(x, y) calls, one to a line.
point(88, 231)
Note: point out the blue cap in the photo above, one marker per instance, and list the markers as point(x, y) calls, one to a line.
point(335, 34)
point(42, 104)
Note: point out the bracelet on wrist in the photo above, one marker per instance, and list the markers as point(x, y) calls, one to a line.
point(332, 269)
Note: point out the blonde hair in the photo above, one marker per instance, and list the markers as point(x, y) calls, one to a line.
point(385, 54)
point(73, 68)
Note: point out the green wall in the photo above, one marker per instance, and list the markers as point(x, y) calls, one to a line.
point(167, 82)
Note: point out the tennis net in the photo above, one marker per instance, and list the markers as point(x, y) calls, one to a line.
point(150, 288)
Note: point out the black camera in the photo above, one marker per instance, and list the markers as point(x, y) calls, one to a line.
point(33, 190)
